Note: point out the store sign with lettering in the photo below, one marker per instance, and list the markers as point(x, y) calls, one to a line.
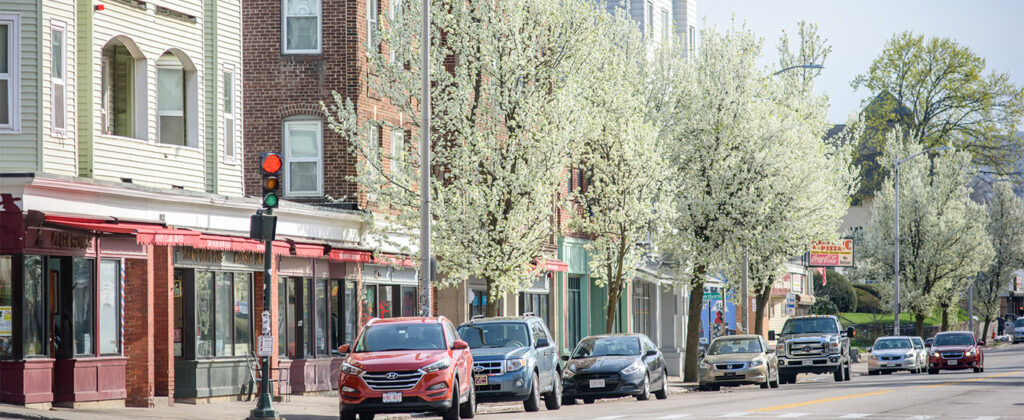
point(61, 239)
point(829, 254)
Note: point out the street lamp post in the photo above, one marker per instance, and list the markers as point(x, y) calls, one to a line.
point(425, 269)
point(745, 300)
point(896, 232)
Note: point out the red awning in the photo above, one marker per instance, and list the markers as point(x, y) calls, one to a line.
point(145, 234)
point(238, 244)
point(402, 260)
point(553, 265)
point(309, 250)
point(350, 255)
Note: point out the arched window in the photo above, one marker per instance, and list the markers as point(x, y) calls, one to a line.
point(175, 100)
point(123, 97)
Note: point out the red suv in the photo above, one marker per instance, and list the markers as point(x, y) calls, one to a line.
point(955, 350)
point(406, 365)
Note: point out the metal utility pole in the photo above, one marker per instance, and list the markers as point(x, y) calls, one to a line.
point(896, 232)
point(746, 301)
point(425, 269)
point(264, 409)
point(970, 307)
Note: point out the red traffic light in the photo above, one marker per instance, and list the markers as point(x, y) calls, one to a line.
point(271, 163)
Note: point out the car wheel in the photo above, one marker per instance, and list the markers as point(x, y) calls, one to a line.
point(588, 400)
point(663, 393)
point(645, 390)
point(977, 370)
point(348, 415)
point(933, 371)
point(846, 372)
point(568, 401)
point(468, 409)
point(767, 380)
point(532, 403)
point(776, 383)
point(872, 372)
point(838, 374)
point(366, 416)
point(553, 399)
point(452, 413)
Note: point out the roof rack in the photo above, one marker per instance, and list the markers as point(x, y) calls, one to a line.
point(529, 314)
point(474, 317)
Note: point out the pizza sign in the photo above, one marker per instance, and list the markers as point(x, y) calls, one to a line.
point(830, 254)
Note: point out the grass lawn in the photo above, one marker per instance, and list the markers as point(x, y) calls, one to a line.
point(866, 318)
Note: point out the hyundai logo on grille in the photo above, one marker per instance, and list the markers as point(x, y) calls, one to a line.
point(391, 375)
point(478, 369)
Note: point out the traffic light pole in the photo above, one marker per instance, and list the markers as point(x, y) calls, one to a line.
point(264, 406)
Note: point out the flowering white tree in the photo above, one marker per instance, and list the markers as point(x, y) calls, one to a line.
point(625, 200)
point(943, 240)
point(504, 76)
point(1006, 227)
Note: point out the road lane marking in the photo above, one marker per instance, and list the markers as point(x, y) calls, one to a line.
point(853, 416)
point(609, 417)
point(739, 414)
point(986, 418)
point(867, 394)
point(679, 416)
point(793, 415)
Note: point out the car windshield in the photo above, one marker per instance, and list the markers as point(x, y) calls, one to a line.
point(809, 325)
point(892, 344)
point(495, 334)
point(607, 346)
point(388, 337)
point(735, 345)
point(953, 340)
point(1019, 323)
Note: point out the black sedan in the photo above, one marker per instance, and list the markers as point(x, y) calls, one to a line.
point(617, 365)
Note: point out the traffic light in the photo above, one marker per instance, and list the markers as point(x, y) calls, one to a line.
point(270, 167)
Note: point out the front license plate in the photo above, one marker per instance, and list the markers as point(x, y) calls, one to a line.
point(951, 362)
point(730, 373)
point(885, 365)
point(480, 380)
point(597, 383)
point(392, 397)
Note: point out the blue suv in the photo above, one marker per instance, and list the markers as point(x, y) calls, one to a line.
point(514, 360)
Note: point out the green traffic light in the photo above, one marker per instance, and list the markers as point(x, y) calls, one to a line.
point(270, 200)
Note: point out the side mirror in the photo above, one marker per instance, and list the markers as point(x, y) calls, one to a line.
point(565, 357)
point(343, 348)
point(771, 335)
point(651, 353)
point(460, 345)
point(851, 332)
point(542, 342)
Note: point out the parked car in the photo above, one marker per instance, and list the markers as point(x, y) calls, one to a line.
point(956, 350)
point(514, 360)
point(893, 354)
point(616, 365)
point(928, 342)
point(1018, 330)
point(922, 353)
point(737, 360)
point(405, 365)
point(813, 344)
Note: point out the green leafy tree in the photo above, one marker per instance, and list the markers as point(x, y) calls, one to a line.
point(1006, 227)
point(938, 93)
point(837, 289)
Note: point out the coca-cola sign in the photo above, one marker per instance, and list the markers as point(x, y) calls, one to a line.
point(830, 254)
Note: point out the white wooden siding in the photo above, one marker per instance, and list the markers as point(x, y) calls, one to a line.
point(223, 53)
point(60, 150)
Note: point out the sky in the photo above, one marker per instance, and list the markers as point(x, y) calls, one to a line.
point(859, 29)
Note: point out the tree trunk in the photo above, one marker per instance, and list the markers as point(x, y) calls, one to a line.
point(984, 328)
point(492, 302)
point(919, 324)
point(693, 324)
point(615, 286)
point(945, 318)
point(760, 303)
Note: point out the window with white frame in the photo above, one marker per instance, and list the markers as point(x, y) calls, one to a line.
point(10, 83)
point(372, 11)
point(300, 26)
point(120, 87)
point(649, 18)
point(692, 39)
point(397, 149)
point(58, 77)
point(170, 100)
point(303, 146)
point(229, 113)
point(664, 24)
point(394, 14)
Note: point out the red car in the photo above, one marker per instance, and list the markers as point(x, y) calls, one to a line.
point(407, 365)
point(955, 350)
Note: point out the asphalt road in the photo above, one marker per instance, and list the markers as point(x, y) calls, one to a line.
point(997, 393)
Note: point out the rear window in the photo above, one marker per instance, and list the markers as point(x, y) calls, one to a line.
point(498, 334)
point(390, 337)
point(953, 340)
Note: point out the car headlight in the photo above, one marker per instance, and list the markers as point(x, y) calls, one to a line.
point(633, 368)
point(780, 348)
point(436, 366)
point(935, 354)
point(568, 373)
point(512, 365)
point(705, 365)
point(872, 357)
point(969, 352)
point(909, 355)
point(835, 346)
point(348, 369)
point(756, 362)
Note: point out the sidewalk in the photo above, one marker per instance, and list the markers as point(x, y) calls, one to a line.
point(298, 408)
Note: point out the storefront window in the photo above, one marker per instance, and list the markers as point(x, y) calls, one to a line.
point(369, 310)
point(321, 316)
point(285, 343)
point(478, 302)
point(82, 305)
point(537, 303)
point(343, 312)
point(34, 319)
point(6, 309)
point(384, 305)
point(306, 317)
point(179, 313)
point(204, 314)
point(110, 307)
point(408, 301)
point(242, 309)
point(223, 314)
point(350, 312)
point(642, 293)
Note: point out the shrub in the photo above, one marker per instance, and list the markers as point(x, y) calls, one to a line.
point(838, 290)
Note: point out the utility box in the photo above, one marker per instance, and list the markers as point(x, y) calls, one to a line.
point(262, 227)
